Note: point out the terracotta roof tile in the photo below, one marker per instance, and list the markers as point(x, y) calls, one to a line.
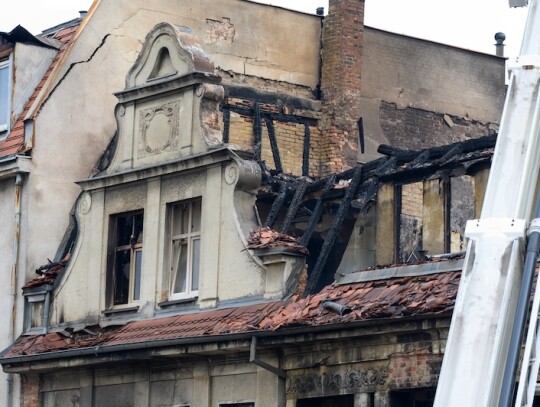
point(14, 142)
point(391, 298)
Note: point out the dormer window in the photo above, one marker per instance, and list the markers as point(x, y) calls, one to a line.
point(4, 97)
point(185, 240)
point(125, 258)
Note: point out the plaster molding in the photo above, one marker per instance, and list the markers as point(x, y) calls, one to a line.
point(331, 382)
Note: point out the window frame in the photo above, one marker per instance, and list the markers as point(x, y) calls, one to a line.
point(174, 255)
point(136, 258)
point(6, 127)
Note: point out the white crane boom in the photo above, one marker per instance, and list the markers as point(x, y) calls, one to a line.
point(481, 330)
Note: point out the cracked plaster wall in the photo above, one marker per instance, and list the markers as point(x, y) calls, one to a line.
point(76, 121)
point(417, 93)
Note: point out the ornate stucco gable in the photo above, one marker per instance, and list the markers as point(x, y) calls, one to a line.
point(168, 109)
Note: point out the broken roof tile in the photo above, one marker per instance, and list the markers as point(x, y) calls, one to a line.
point(392, 298)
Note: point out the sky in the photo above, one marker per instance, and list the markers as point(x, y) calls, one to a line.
point(469, 24)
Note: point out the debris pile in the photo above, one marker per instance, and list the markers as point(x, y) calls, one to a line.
point(48, 273)
point(263, 238)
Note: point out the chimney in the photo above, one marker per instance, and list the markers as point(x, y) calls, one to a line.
point(342, 47)
point(82, 13)
point(499, 45)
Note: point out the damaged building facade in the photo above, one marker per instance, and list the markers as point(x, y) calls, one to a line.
point(216, 211)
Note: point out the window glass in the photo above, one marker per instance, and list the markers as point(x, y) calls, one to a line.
point(4, 95)
point(181, 267)
point(137, 282)
point(185, 243)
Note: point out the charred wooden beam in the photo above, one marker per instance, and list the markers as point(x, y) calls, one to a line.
point(276, 206)
point(226, 124)
point(333, 232)
point(421, 159)
point(305, 152)
point(457, 149)
point(275, 116)
point(295, 102)
point(384, 167)
point(273, 145)
point(257, 132)
point(466, 146)
point(317, 212)
point(293, 207)
point(366, 196)
point(361, 138)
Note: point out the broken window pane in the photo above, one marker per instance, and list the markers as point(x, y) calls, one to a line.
point(127, 272)
point(123, 263)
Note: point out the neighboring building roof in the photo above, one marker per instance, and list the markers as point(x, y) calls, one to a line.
point(15, 143)
point(414, 295)
point(22, 35)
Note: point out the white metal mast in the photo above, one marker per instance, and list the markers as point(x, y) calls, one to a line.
point(481, 328)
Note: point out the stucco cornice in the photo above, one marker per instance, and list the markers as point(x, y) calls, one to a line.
point(192, 162)
point(13, 165)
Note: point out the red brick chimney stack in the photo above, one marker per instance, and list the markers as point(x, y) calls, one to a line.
point(342, 47)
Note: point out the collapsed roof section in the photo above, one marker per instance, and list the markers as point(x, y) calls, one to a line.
point(322, 213)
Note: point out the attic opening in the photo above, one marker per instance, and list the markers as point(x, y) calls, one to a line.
point(163, 65)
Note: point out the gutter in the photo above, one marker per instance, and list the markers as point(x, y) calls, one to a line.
point(246, 336)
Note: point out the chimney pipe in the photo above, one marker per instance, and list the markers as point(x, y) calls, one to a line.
point(320, 11)
point(499, 45)
point(82, 13)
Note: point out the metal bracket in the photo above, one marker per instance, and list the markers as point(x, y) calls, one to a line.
point(253, 359)
point(512, 228)
point(523, 62)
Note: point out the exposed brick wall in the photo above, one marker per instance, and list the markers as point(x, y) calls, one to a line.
point(30, 390)
point(420, 368)
point(289, 137)
point(416, 128)
point(411, 199)
point(343, 31)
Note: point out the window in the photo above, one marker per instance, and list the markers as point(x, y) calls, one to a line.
point(4, 97)
point(185, 240)
point(126, 257)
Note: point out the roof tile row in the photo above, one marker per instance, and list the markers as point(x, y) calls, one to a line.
point(391, 298)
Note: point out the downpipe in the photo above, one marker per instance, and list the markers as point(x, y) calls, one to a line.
point(14, 279)
point(522, 310)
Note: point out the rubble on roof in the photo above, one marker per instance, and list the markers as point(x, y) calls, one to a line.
point(394, 298)
point(263, 238)
point(48, 272)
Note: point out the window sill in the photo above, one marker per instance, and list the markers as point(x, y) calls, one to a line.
point(124, 310)
point(170, 303)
